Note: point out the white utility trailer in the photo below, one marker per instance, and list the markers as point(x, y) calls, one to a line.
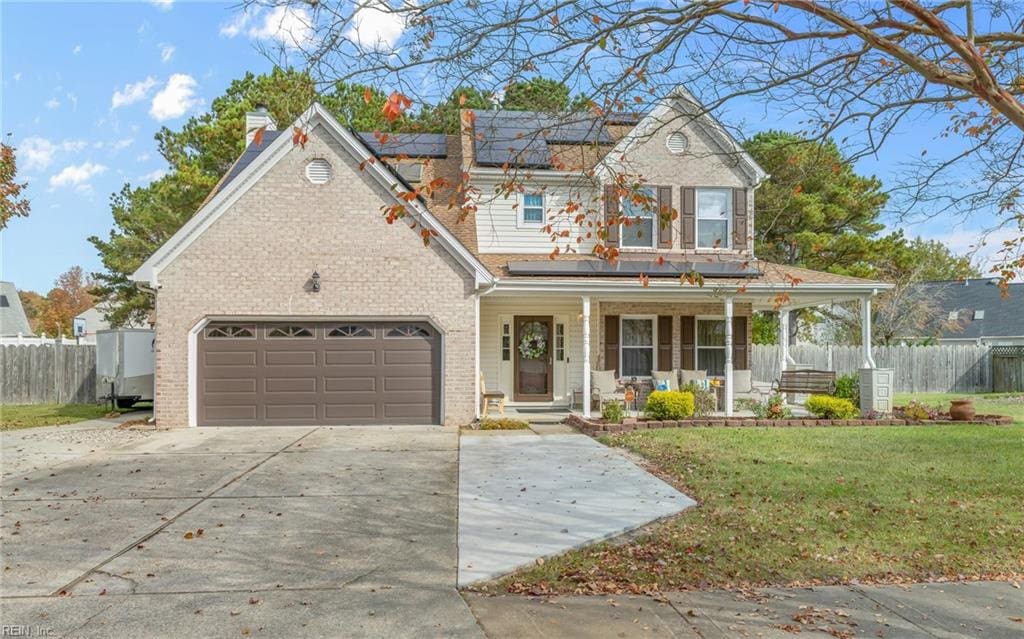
point(124, 365)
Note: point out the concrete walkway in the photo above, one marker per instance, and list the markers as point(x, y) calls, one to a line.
point(234, 532)
point(524, 496)
point(990, 610)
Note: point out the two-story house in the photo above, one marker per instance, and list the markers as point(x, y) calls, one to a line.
point(290, 299)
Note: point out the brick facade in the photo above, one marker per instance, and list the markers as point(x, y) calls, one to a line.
point(255, 260)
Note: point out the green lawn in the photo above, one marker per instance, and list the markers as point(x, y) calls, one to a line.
point(32, 415)
point(984, 403)
point(815, 505)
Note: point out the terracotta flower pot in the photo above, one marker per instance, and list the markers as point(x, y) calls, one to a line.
point(961, 410)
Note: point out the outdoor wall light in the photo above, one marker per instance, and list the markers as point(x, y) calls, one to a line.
point(314, 282)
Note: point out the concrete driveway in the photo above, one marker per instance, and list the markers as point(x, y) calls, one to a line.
point(318, 532)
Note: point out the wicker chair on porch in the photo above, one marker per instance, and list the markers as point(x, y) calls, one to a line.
point(605, 388)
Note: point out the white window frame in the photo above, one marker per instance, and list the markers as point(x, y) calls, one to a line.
point(724, 246)
point(696, 339)
point(654, 343)
point(543, 210)
point(623, 229)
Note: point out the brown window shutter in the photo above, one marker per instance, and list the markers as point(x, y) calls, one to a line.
point(689, 218)
point(665, 217)
point(739, 344)
point(611, 343)
point(689, 335)
point(664, 342)
point(611, 215)
point(740, 234)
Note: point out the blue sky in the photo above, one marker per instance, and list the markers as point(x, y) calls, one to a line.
point(85, 88)
point(87, 85)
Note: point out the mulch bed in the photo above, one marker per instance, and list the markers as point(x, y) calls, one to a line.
point(595, 427)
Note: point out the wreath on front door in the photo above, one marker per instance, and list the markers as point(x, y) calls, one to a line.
point(533, 344)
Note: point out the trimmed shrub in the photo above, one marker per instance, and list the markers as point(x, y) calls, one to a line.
point(502, 423)
point(829, 407)
point(669, 405)
point(848, 387)
point(612, 412)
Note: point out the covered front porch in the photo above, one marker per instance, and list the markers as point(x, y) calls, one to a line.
point(541, 345)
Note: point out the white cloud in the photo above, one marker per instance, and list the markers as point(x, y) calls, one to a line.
point(290, 26)
point(166, 52)
point(132, 92)
point(176, 99)
point(36, 153)
point(76, 176)
point(163, 5)
point(52, 103)
point(17, 76)
point(118, 145)
point(76, 50)
point(235, 26)
point(142, 157)
point(73, 146)
point(73, 99)
point(153, 176)
point(375, 27)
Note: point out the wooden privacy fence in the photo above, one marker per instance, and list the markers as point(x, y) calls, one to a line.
point(944, 368)
point(48, 374)
point(1008, 369)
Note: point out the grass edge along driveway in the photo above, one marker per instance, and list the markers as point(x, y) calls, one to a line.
point(809, 506)
point(18, 416)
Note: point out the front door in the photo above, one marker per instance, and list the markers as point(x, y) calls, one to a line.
point(533, 360)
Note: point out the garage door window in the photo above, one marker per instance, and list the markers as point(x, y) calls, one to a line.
point(350, 330)
point(408, 330)
point(285, 332)
point(230, 332)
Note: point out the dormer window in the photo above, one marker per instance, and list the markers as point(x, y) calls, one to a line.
point(638, 222)
point(714, 217)
point(531, 207)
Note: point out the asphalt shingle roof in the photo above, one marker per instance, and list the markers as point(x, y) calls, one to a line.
point(1000, 317)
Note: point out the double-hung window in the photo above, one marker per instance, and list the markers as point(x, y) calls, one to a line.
point(639, 220)
point(637, 348)
point(532, 209)
point(711, 346)
point(714, 215)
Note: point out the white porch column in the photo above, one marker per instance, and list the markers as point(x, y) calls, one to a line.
point(586, 357)
point(783, 339)
point(728, 356)
point(865, 331)
point(476, 356)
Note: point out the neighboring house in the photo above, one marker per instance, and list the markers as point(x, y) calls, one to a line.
point(287, 299)
point(974, 311)
point(13, 321)
point(94, 319)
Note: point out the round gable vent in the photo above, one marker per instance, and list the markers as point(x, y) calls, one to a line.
point(318, 171)
point(677, 142)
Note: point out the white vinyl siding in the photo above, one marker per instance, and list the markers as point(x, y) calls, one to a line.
point(501, 229)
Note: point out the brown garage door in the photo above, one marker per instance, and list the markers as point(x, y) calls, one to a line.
point(297, 373)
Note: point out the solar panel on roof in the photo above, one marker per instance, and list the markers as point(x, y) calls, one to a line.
point(414, 145)
point(631, 268)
